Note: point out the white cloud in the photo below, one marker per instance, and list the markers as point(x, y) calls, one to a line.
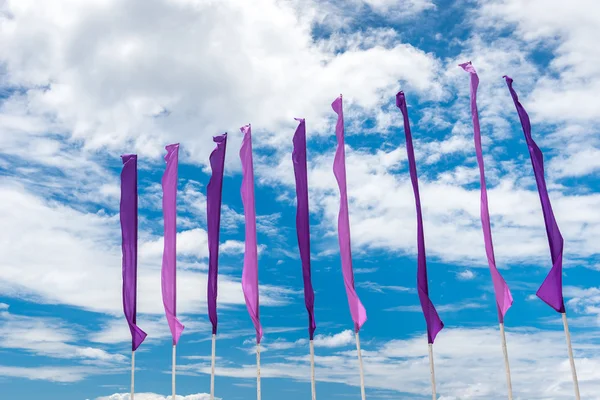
point(154, 396)
point(465, 275)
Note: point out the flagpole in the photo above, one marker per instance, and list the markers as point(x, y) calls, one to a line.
point(571, 358)
point(506, 365)
point(212, 370)
point(360, 364)
point(173, 372)
point(312, 370)
point(132, 372)
point(432, 370)
point(258, 371)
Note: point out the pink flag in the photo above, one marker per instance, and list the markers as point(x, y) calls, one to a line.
point(250, 271)
point(357, 310)
point(169, 263)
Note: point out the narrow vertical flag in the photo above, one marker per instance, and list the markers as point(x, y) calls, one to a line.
point(169, 262)
point(434, 324)
point(503, 297)
point(214, 191)
point(551, 290)
point(302, 220)
point(129, 234)
point(357, 310)
point(250, 271)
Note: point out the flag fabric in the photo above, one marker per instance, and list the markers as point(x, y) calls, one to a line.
point(503, 296)
point(432, 319)
point(250, 271)
point(302, 220)
point(357, 310)
point(551, 290)
point(169, 262)
point(129, 234)
point(214, 191)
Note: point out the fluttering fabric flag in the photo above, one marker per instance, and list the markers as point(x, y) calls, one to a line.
point(357, 310)
point(169, 262)
point(129, 234)
point(434, 324)
point(503, 296)
point(302, 220)
point(214, 191)
point(250, 271)
point(551, 290)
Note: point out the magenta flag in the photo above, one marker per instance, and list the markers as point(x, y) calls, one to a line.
point(302, 220)
point(169, 262)
point(357, 310)
point(250, 271)
point(503, 297)
point(214, 191)
point(551, 290)
point(129, 245)
point(432, 319)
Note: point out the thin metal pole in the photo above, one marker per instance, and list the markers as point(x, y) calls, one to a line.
point(506, 365)
point(212, 369)
point(312, 371)
point(432, 370)
point(132, 373)
point(257, 371)
point(360, 364)
point(173, 372)
point(571, 358)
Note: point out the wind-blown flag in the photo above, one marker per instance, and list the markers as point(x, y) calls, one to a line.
point(169, 262)
point(250, 271)
point(503, 297)
point(129, 234)
point(302, 220)
point(434, 324)
point(551, 290)
point(357, 310)
point(214, 191)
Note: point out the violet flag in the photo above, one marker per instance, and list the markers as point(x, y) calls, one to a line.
point(503, 297)
point(169, 262)
point(432, 319)
point(551, 290)
point(250, 271)
point(214, 191)
point(357, 310)
point(302, 220)
point(129, 234)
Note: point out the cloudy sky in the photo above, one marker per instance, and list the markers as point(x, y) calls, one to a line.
point(82, 82)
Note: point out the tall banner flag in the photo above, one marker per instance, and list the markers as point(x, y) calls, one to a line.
point(214, 191)
point(129, 245)
point(303, 233)
point(433, 321)
point(551, 290)
point(250, 271)
point(169, 262)
point(357, 310)
point(503, 296)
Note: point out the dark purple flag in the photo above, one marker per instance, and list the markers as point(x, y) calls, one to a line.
point(434, 324)
point(129, 234)
point(551, 290)
point(214, 191)
point(302, 220)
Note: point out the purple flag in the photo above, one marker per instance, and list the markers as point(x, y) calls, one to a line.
point(214, 191)
point(169, 262)
point(551, 290)
point(250, 272)
point(129, 234)
point(503, 297)
point(302, 220)
point(357, 310)
point(434, 324)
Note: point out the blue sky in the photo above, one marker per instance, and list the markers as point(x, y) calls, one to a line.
point(83, 82)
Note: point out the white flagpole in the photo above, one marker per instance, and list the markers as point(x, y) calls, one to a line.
point(173, 373)
point(212, 370)
point(432, 370)
point(257, 371)
point(312, 371)
point(132, 373)
point(506, 365)
point(360, 364)
point(571, 359)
